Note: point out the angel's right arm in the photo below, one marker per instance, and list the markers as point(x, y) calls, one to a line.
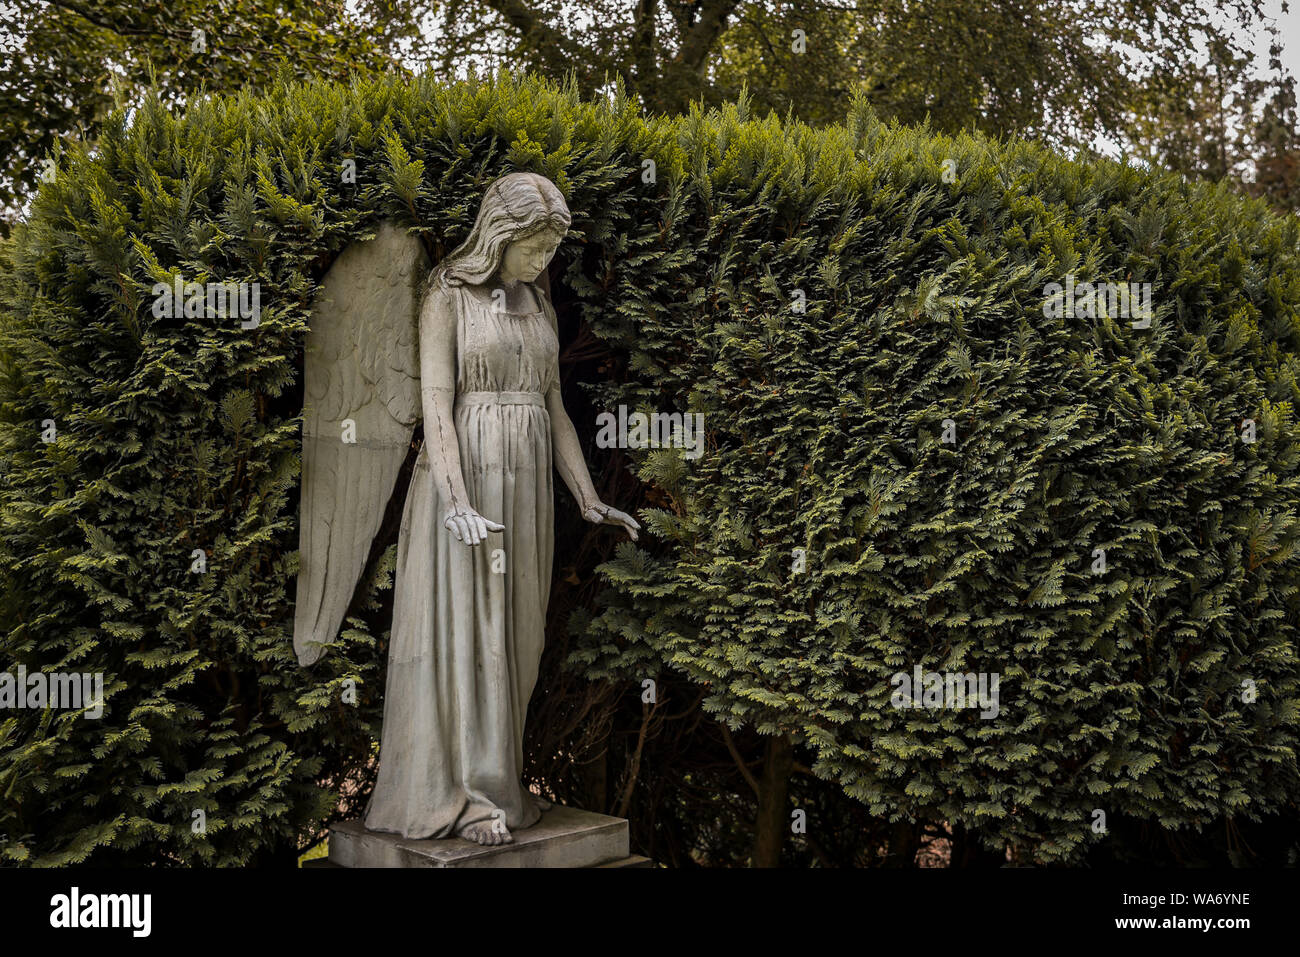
point(438, 395)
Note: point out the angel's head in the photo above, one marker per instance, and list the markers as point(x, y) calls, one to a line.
point(526, 257)
point(520, 223)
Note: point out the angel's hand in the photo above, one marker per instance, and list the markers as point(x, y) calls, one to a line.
point(603, 514)
point(468, 525)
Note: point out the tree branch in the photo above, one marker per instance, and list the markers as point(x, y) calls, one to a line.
point(105, 24)
point(740, 762)
point(698, 43)
point(541, 36)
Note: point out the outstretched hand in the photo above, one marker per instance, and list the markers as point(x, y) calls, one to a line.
point(602, 514)
point(469, 526)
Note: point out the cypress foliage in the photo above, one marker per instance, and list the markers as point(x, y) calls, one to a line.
point(920, 308)
point(1120, 692)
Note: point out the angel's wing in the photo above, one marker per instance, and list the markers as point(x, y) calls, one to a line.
point(362, 365)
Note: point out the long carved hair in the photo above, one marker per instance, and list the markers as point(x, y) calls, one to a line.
point(514, 207)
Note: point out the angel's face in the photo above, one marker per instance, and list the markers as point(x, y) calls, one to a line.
point(526, 258)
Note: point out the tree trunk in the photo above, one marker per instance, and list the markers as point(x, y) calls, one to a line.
point(903, 844)
point(773, 815)
point(967, 851)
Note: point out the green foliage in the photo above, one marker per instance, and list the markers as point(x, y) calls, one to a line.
point(90, 56)
point(923, 302)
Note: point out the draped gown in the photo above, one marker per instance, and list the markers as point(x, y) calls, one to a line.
point(469, 622)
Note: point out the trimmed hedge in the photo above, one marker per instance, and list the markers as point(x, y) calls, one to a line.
point(923, 288)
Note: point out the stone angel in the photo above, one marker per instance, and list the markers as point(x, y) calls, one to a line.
point(475, 352)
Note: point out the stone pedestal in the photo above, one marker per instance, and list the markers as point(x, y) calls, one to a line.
point(564, 837)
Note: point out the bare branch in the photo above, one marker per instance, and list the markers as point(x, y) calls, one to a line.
point(740, 762)
point(698, 43)
point(541, 36)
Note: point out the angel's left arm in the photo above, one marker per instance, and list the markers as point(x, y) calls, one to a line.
point(568, 454)
point(565, 447)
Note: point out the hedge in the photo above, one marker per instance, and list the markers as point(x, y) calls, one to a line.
point(911, 460)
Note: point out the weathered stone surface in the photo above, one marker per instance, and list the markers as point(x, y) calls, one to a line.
point(564, 837)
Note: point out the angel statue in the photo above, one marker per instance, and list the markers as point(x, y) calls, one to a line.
point(477, 355)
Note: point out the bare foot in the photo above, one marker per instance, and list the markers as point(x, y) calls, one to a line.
point(486, 833)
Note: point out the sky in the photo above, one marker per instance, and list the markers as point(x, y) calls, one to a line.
point(1289, 25)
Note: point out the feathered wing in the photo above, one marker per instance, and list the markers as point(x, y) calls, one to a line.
point(362, 364)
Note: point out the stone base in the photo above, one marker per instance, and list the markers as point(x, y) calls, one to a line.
point(564, 837)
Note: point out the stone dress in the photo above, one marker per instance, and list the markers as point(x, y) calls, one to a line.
point(467, 640)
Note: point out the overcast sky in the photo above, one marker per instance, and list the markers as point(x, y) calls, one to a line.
point(1289, 24)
